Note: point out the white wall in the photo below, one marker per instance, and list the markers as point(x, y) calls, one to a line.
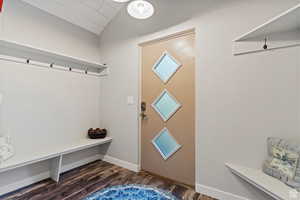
point(42, 107)
point(23, 23)
point(240, 100)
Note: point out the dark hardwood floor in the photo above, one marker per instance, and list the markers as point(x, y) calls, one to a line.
point(78, 183)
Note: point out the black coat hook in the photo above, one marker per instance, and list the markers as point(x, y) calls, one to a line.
point(265, 45)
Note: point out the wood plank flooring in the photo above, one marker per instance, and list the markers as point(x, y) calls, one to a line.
point(80, 182)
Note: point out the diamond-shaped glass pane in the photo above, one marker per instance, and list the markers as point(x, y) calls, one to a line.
point(166, 105)
point(166, 67)
point(165, 143)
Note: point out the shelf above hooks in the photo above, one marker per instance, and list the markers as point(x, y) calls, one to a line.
point(20, 53)
point(282, 31)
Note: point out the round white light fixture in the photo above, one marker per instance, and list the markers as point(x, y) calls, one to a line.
point(140, 9)
point(121, 1)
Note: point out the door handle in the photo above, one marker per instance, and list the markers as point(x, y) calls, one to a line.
point(143, 110)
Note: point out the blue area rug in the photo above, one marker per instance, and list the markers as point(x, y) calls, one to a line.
point(131, 192)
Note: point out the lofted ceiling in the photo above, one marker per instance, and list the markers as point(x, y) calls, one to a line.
point(92, 15)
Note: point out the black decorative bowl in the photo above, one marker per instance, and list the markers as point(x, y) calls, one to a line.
point(97, 133)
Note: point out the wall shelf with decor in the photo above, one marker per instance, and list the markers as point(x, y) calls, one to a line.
point(21, 53)
point(282, 31)
point(256, 177)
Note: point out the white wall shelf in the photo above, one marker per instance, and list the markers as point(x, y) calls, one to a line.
point(52, 153)
point(262, 181)
point(13, 51)
point(282, 31)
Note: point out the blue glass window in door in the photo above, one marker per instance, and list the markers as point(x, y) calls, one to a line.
point(165, 143)
point(166, 67)
point(166, 105)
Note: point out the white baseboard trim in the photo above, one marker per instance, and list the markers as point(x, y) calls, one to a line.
point(34, 179)
point(218, 194)
point(121, 163)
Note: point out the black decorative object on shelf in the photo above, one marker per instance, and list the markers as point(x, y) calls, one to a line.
point(97, 133)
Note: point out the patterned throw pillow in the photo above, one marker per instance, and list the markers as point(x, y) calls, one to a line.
point(283, 161)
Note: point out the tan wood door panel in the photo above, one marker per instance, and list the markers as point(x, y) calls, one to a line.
point(181, 165)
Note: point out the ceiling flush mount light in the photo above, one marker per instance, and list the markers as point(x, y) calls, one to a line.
point(140, 9)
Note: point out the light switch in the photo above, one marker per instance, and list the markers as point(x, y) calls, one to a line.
point(130, 100)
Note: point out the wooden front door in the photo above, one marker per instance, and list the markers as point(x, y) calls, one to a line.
point(168, 108)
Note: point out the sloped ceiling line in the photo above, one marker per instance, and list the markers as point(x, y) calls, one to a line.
point(92, 15)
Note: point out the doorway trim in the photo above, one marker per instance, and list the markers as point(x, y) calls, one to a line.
point(164, 38)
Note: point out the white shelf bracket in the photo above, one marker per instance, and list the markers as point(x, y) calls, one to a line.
point(55, 168)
